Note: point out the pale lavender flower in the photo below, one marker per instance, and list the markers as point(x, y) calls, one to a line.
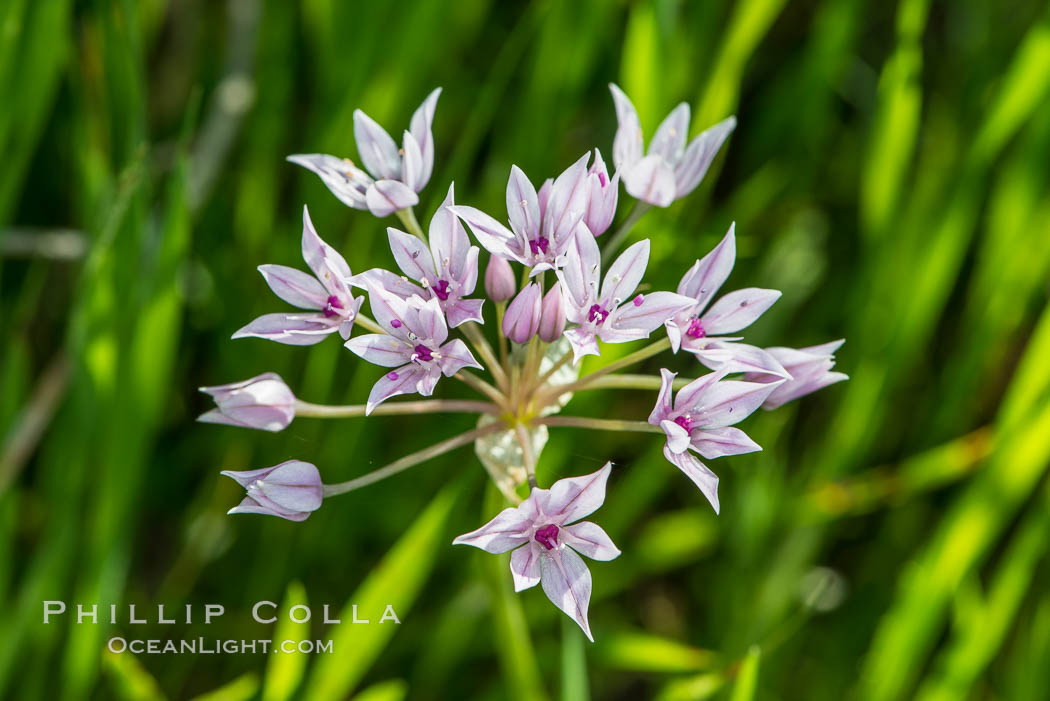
point(291, 490)
point(447, 272)
point(604, 193)
point(414, 345)
point(700, 330)
point(545, 533)
point(263, 402)
point(522, 319)
point(552, 315)
point(500, 284)
point(540, 228)
point(328, 292)
point(670, 170)
point(701, 419)
point(394, 176)
point(612, 313)
point(810, 370)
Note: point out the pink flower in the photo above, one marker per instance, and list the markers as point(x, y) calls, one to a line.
point(448, 271)
point(522, 319)
point(670, 170)
point(540, 227)
point(552, 315)
point(613, 313)
point(545, 533)
point(328, 292)
point(291, 490)
point(263, 402)
point(700, 330)
point(396, 175)
point(601, 203)
point(701, 419)
point(810, 370)
point(414, 345)
point(500, 284)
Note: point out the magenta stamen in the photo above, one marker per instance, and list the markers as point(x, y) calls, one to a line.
point(547, 536)
point(441, 290)
point(696, 329)
point(685, 421)
point(602, 179)
point(540, 244)
point(638, 300)
point(423, 353)
point(597, 314)
point(396, 323)
point(392, 375)
point(331, 306)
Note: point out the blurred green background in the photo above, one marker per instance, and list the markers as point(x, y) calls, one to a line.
point(889, 173)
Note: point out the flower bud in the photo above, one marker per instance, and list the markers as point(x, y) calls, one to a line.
point(552, 315)
point(263, 402)
point(499, 279)
point(523, 315)
point(602, 198)
point(290, 490)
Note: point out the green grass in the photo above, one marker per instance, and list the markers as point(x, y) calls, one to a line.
point(889, 173)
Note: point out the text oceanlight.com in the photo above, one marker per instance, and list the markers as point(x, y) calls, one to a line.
point(203, 646)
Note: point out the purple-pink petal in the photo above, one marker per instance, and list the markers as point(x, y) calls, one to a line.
point(523, 206)
point(404, 380)
point(377, 149)
point(718, 442)
point(509, 529)
point(388, 196)
point(625, 273)
point(572, 498)
point(699, 155)
point(455, 355)
point(567, 583)
point(411, 255)
point(294, 286)
point(380, 349)
point(525, 567)
point(670, 136)
point(422, 131)
point(291, 329)
point(589, 539)
point(699, 473)
point(651, 180)
point(493, 236)
point(709, 273)
point(738, 310)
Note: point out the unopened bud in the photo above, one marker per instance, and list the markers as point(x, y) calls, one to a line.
point(263, 402)
point(499, 279)
point(552, 315)
point(523, 315)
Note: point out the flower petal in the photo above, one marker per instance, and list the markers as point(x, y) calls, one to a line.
point(651, 180)
point(695, 470)
point(393, 283)
point(412, 163)
point(567, 583)
point(294, 286)
point(677, 436)
point(388, 196)
point(411, 255)
point(718, 442)
point(380, 349)
point(568, 203)
point(250, 506)
point(579, 275)
point(294, 485)
point(509, 529)
point(290, 329)
point(670, 136)
point(493, 236)
point(583, 342)
point(699, 155)
point(709, 273)
point(730, 401)
point(421, 129)
point(405, 380)
point(627, 145)
point(450, 246)
point(523, 206)
point(345, 180)
point(325, 262)
point(740, 357)
point(572, 498)
point(377, 149)
point(738, 310)
point(525, 567)
point(455, 356)
point(624, 274)
point(664, 404)
point(589, 539)
point(650, 313)
point(464, 310)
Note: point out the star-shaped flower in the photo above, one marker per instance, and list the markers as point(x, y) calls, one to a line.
point(415, 346)
point(328, 292)
point(448, 271)
point(610, 313)
point(394, 175)
point(700, 330)
point(701, 419)
point(541, 223)
point(545, 533)
point(670, 170)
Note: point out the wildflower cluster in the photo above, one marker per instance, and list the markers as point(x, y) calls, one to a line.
point(427, 323)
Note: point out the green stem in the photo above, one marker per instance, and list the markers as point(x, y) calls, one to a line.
point(527, 457)
point(324, 411)
point(408, 218)
point(616, 240)
point(645, 382)
point(598, 424)
point(411, 460)
point(484, 349)
point(557, 390)
point(362, 320)
point(484, 388)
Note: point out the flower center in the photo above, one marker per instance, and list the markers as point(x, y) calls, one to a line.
point(331, 306)
point(423, 353)
point(547, 536)
point(696, 329)
point(441, 290)
point(597, 314)
point(685, 421)
point(540, 244)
